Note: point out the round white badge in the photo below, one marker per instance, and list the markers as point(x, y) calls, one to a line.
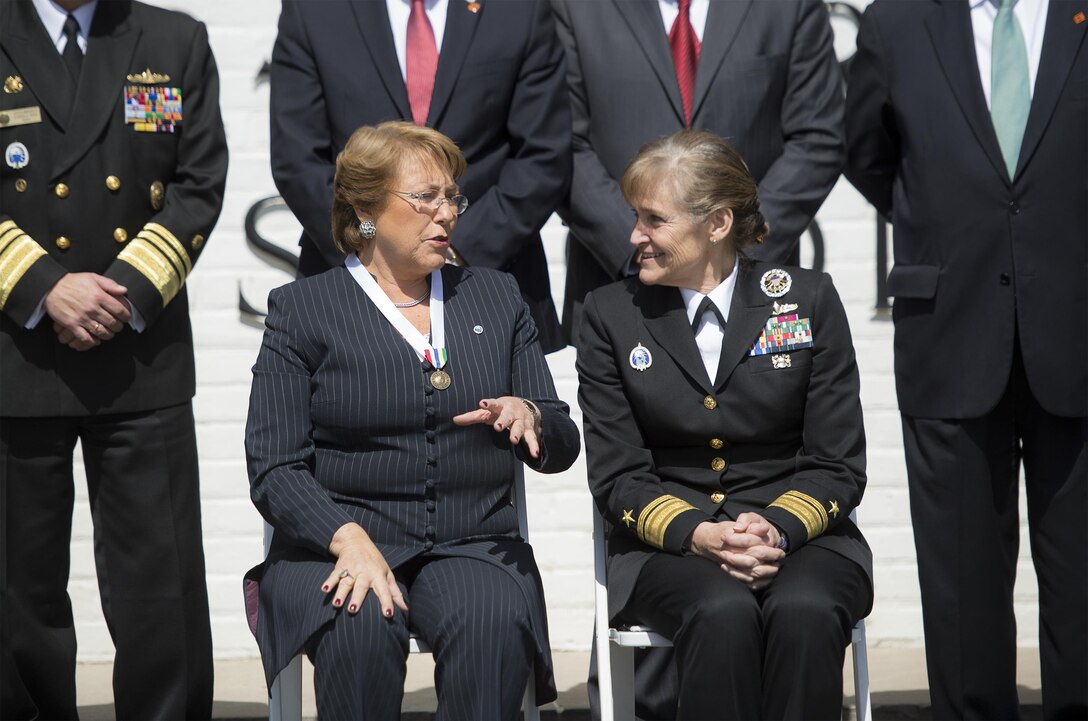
point(640, 358)
point(17, 156)
point(776, 282)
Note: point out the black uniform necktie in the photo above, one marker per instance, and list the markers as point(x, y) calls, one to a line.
point(72, 55)
point(705, 305)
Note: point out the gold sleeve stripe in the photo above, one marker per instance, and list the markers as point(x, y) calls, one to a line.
point(166, 252)
point(150, 263)
point(15, 259)
point(6, 226)
point(9, 234)
point(808, 510)
point(171, 240)
point(656, 517)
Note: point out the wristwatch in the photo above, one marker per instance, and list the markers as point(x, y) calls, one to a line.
point(783, 542)
point(533, 410)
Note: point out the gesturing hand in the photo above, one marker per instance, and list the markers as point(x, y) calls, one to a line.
point(360, 568)
point(86, 309)
point(505, 413)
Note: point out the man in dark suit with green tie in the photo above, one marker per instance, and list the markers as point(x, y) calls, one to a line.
point(115, 164)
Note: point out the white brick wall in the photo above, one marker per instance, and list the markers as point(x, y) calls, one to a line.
point(242, 34)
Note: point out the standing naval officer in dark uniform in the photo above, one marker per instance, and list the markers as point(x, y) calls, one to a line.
point(114, 166)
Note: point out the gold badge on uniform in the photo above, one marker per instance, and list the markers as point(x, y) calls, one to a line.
point(782, 308)
point(776, 282)
point(13, 84)
point(20, 116)
point(158, 195)
point(148, 78)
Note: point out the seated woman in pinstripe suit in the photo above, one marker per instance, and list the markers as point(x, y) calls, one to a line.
point(391, 399)
point(725, 448)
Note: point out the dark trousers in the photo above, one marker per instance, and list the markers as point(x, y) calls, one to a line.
point(964, 477)
point(145, 503)
point(471, 613)
point(773, 654)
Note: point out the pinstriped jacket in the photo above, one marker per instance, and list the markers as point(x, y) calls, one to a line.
point(778, 433)
point(344, 427)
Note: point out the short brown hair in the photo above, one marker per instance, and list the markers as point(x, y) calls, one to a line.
point(372, 159)
point(706, 175)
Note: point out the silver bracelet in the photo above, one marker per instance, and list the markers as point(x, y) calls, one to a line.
point(535, 413)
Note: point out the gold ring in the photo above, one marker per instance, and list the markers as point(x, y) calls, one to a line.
point(97, 327)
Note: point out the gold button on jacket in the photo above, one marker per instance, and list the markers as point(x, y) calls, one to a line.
point(717, 465)
point(198, 241)
point(716, 443)
point(120, 235)
point(63, 243)
point(717, 497)
point(113, 182)
point(20, 185)
point(61, 190)
point(710, 403)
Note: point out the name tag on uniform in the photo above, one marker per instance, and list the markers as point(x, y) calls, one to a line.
point(782, 333)
point(20, 116)
point(153, 109)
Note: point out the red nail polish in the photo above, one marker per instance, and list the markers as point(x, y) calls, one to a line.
point(325, 588)
point(337, 603)
point(389, 613)
point(352, 608)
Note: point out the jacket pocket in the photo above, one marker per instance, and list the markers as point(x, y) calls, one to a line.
point(913, 281)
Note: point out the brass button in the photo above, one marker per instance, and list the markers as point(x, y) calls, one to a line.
point(717, 497)
point(63, 243)
point(709, 403)
point(198, 241)
point(20, 185)
point(717, 465)
point(158, 194)
point(716, 443)
point(61, 190)
point(120, 235)
point(113, 182)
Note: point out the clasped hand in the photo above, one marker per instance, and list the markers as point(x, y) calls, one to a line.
point(746, 548)
point(87, 309)
point(506, 413)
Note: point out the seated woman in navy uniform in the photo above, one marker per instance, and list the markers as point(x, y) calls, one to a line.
point(391, 399)
point(725, 445)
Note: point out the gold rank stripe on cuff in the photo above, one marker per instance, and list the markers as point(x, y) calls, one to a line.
point(169, 240)
point(160, 267)
point(656, 517)
point(808, 510)
point(17, 253)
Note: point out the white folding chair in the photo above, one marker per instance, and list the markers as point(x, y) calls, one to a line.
point(285, 701)
point(616, 647)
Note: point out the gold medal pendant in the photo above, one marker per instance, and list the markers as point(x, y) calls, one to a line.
point(440, 379)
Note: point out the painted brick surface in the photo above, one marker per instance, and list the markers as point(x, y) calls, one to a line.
point(242, 34)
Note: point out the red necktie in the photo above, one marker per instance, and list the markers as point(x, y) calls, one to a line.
point(685, 56)
point(421, 62)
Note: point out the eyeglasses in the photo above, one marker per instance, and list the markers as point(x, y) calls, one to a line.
point(431, 201)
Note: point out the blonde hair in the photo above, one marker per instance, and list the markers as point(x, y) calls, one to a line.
point(371, 161)
point(706, 175)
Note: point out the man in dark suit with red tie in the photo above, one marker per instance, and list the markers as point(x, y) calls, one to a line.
point(966, 126)
point(763, 75)
point(115, 165)
point(489, 74)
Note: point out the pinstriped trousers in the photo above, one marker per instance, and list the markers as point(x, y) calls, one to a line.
point(471, 613)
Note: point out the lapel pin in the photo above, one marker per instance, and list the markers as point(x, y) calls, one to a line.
point(474, 7)
point(640, 357)
point(14, 83)
point(17, 156)
point(776, 282)
point(1078, 18)
point(477, 329)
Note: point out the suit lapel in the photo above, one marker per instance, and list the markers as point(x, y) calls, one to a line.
point(723, 22)
point(666, 320)
point(373, 22)
point(109, 49)
point(460, 27)
point(1062, 39)
point(748, 315)
point(949, 28)
point(644, 19)
point(32, 52)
